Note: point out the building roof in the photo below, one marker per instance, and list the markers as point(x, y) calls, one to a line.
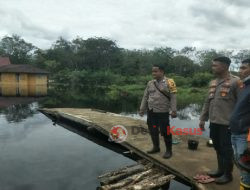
point(15, 68)
point(4, 61)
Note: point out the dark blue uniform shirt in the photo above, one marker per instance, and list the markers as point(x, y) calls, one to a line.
point(240, 119)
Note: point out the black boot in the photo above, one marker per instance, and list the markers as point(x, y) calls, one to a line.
point(156, 145)
point(168, 144)
point(220, 170)
point(227, 176)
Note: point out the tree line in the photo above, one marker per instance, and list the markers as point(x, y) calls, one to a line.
point(95, 54)
point(97, 66)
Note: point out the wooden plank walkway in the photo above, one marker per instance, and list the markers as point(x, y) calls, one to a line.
point(184, 164)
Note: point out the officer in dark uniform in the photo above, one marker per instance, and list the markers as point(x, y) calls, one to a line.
point(159, 100)
point(240, 125)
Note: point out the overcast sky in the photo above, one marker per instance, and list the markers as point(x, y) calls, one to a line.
point(219, 24)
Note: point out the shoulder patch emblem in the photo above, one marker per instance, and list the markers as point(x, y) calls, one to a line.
point(172, 86)
point(213, 83)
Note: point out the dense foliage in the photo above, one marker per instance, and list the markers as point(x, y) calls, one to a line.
point(96, 69)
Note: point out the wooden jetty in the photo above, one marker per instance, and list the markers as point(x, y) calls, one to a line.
point(184, 163)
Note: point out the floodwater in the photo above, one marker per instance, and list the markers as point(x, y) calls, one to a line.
point(36, 155)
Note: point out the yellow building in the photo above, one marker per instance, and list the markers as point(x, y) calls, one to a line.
point(23, 80)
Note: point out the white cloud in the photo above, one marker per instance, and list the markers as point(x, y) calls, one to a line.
point(131, 23)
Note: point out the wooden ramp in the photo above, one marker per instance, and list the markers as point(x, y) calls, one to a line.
point(184, 164)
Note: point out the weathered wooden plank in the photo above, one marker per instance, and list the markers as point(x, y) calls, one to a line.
point(117, 172)
point(130, 179)
point(184, 164)
point(122, 174)
point(155, 181)
point(148, 177)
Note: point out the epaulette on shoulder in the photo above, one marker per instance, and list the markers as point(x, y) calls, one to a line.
point(172, 86)
point(151, 81)
point(213, 82)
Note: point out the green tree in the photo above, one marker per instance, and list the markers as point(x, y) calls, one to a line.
point(205, 59)
point(201, 79)
point(17, 49)
point(63, 53)
point(184, 66)
point(239, 57)
point(99, 53)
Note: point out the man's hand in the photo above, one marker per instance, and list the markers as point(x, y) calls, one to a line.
point(202, 125)
point(141, 113)
point(173, 114)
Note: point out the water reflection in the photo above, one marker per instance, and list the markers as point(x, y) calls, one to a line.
point(37, 155)
point(9, 101)
point(14, 127)
point(17, 113)
point(190, 112)
point(99, 99)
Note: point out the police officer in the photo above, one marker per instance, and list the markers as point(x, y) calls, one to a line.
point(222, 97)
point(158, 100)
